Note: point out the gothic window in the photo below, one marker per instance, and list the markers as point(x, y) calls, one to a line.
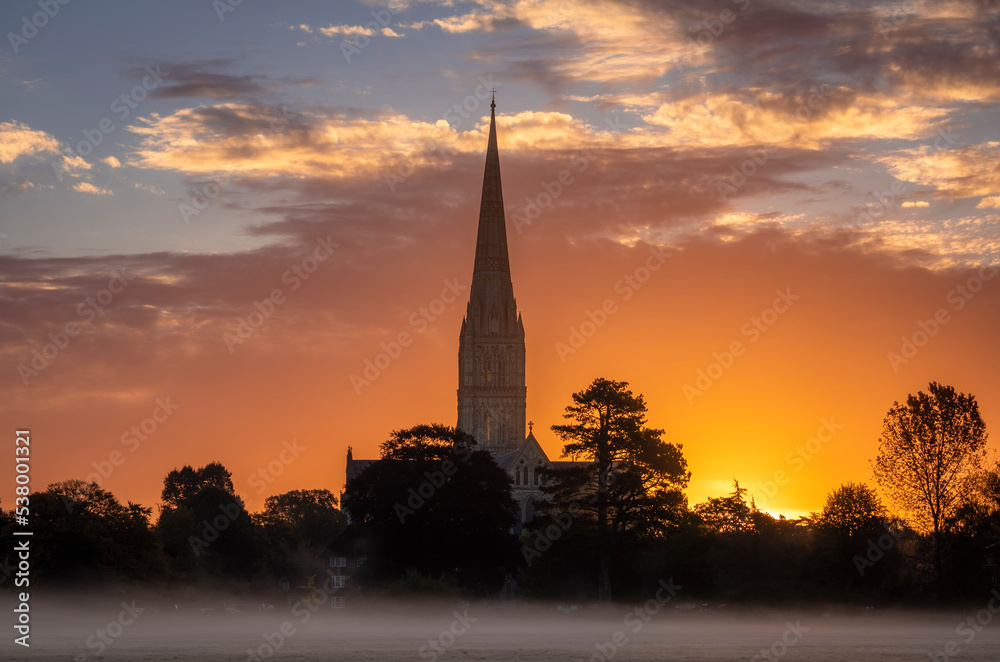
point(488, 427)
point(517, 476)
point(535, 472)
point(529, 509)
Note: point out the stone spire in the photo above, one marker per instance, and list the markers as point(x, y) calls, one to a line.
point(492, 268)
point(491, 391)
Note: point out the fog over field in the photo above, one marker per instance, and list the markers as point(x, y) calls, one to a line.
point(479, 631)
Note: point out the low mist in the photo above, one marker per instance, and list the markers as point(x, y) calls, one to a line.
point(208, 628)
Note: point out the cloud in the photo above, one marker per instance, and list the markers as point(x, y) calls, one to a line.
point(112, 161)
point(959, 172)
point(155, 190)
point(87, 187)
point(811, 119)
point(351, 31)
point(25, 157)
point(910, 204)
point(17, 140)
point(258, 141)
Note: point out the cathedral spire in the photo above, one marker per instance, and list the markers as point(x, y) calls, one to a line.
point(491, 391)
point(491, 245)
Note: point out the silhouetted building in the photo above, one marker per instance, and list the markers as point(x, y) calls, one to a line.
point(492, 397)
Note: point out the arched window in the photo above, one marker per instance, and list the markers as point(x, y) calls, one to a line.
point(517, 476)
point(488, 428)
point(536, 475)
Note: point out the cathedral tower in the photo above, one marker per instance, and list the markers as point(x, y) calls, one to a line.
point(491, 390)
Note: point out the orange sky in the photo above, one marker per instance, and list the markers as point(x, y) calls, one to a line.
point(824, 358)
point(346, 190)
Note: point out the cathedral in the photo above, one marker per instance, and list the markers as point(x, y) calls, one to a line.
point(492, 397)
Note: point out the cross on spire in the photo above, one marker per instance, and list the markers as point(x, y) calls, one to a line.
point(531, 425)
point(493, 100)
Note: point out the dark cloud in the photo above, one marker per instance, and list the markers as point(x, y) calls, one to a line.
point(207, 80)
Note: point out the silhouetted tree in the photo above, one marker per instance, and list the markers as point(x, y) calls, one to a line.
point(729, 514)
point(929, 448)
point(437, 505)
point(205, 528)
point(852, 510)
point(631, 479)
point(300, 522)
point(85, 534)
point(181, 485)
point(972, 534)
point(856, 548)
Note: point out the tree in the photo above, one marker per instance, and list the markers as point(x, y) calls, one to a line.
point(204, 526)
point(181, 485)
point(435, 504)
point(86, 534)
point(730, 514)
point(852, 510)
point(929, 449)
point(973, 534)
point(632, 479)
point(299, 522)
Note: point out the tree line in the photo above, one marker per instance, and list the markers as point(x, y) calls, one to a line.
point(435, 515)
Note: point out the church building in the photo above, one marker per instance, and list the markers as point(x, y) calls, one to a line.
point(492, 397)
